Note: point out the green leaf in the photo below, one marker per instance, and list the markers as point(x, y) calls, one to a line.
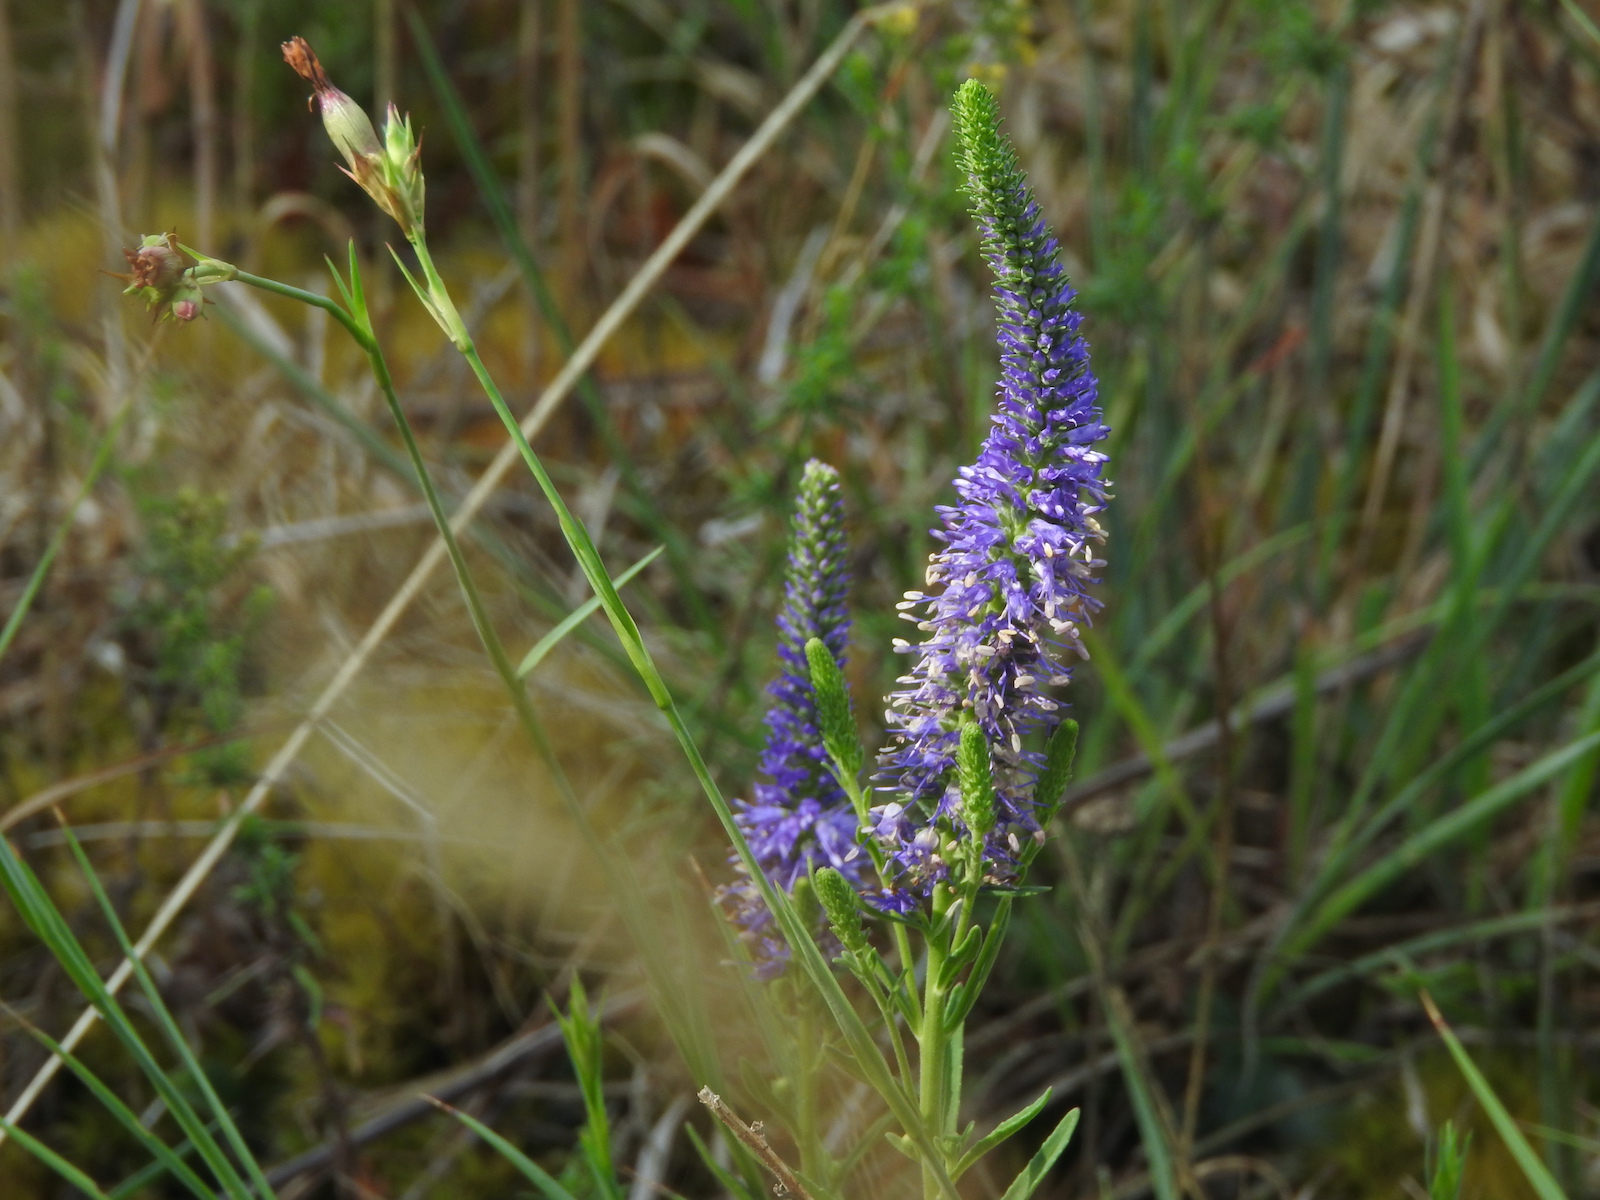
point(168, 1025)
point(903, 1144)
point(42, 916)
point(960, 957)
point(965, 995)
point(531, 1171)
point(1533, 1168)
point(1000, 1133)
point(167, 1159)
point(577, 617)
point(1449, 1164)
point(1039, 1166)
point(53, 1160)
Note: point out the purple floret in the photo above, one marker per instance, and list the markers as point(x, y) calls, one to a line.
point(1009, 590)
point(800, 818)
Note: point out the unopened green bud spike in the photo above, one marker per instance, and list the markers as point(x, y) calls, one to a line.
point(977, 782)
point(1058, 756)
point(834, 719)
point(839, 902)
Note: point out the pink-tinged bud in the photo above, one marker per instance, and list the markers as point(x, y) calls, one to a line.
point(386, 169)
point(346, 121)
point(185, 310)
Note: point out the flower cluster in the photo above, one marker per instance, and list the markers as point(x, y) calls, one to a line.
point(158, 276)
point(1008, 590)
point(800, 818)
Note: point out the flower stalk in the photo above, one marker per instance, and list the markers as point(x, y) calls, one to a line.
point(979, 745)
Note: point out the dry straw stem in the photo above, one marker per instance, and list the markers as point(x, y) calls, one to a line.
point(752, 1137)
point(582, 359)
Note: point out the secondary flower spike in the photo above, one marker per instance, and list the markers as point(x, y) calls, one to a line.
point(800, 817)
point(1009, 589)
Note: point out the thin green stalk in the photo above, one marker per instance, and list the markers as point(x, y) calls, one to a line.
point(438, 301)
point(97, 464)
point(933, 1047)
point(644, 506)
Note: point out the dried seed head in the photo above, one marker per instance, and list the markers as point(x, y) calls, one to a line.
point(156, 263)
point(158, 276)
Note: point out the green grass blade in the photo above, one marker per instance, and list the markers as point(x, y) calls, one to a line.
point(1186, 609)
point(167, 1159)
point(547, 1183)
point(164, 1019)
point(1155, 1132)
point(1440, 833)
point(54, 1161)
point(144, 1176)
point(577, 617)
point(1533, 1168)
point(1031, 1176)
point(736, 1187)
point(1584, 21)
point(42, 916)
point(97, 464)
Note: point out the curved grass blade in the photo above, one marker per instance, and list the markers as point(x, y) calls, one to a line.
point(1533, 1168)
point(167, 1159)
point(54, 1161)
point(547, 1183)
point(42, 916)
point(1438, 834)
point(577, 617)
point(169, 1027)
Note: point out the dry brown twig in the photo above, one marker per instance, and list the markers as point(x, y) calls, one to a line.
point(756, 1140)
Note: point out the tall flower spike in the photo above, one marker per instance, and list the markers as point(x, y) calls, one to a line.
point(800, 817)
point(1008, 591)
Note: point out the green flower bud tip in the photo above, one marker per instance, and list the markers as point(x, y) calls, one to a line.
point(834, 719)
point(1058, 759)
point(387, 170)
point(986, 155)
point(839, 902)
point(977, 783)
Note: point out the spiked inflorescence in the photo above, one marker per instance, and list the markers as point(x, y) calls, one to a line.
point(800, 818)
point(1009, 590)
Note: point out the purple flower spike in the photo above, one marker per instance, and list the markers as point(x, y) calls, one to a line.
point(800, 817)
point(1009, 590)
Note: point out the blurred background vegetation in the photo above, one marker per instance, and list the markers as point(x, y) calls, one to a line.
point(1338, 262)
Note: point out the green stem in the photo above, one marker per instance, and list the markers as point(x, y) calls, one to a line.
point(933, 1044)
point(867, 1054)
